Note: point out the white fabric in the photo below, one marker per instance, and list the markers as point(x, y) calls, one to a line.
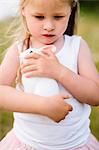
point(43, 133)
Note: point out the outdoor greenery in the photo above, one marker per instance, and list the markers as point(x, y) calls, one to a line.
point(89, 30)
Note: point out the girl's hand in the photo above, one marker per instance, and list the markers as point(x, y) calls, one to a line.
point(56, 108)
point(45, 64)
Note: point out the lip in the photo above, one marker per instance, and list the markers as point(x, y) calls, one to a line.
point(48, 35)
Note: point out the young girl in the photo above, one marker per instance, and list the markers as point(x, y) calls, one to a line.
point(52, 126)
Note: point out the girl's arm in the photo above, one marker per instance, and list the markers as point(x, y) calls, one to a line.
point(13, 100)
point(53, 107)
point(9, 66)
point(84, 86)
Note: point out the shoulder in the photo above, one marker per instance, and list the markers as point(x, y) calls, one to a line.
point(76, 39)
point(9, 65)
point(79, 43)
point(12, 55)
point(86, 65)
point(84, 50)
point(82, 43)
point(15, 48)
point(12, 49)
point(73, 41)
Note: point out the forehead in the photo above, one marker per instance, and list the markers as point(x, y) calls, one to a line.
point(48, 5)
point(58, 2)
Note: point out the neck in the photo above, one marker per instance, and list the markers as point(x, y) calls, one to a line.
point(58, 44)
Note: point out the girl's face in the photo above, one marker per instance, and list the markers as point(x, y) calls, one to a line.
point(46, 20)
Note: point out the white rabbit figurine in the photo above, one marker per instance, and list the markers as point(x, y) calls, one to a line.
point(42, 86)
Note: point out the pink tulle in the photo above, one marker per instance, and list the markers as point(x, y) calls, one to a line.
point(10, 142)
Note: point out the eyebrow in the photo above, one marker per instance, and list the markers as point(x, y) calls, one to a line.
point(61, 13)
point(42, 14)
point(38, 14)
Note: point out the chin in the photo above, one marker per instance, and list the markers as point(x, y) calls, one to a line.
point(49, 43)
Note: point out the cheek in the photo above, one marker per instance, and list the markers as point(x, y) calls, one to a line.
point(32, 25)
point(63, 25)
point(28, 22)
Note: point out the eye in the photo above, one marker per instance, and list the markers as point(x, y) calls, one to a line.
point(58, 17)
point(39, 17)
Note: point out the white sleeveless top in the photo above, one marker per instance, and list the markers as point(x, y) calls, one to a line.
point(41, 132)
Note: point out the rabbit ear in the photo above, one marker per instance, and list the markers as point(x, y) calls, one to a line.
point(53, 48)
point(49, 47)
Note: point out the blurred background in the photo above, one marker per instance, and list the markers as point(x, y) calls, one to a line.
point(88, 28)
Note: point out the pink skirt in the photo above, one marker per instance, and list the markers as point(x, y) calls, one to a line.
point(10, 142)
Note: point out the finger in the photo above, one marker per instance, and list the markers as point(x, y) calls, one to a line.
point(33, 56)
point(69, 107)
point(28, 69)
point(48, 53)
point(32, 74)
point(25, 65)
point(66, 96)
point(28, 62)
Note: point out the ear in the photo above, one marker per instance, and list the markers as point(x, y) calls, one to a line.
point(23, 12)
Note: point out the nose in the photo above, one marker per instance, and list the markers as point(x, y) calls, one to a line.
point(48, 25)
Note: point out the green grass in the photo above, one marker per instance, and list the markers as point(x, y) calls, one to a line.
point(95, 121)
point(6, 121)
point(89, 30)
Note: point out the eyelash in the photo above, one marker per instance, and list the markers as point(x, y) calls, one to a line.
point(55, 17)
point(58, 17)
point(39, 17)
